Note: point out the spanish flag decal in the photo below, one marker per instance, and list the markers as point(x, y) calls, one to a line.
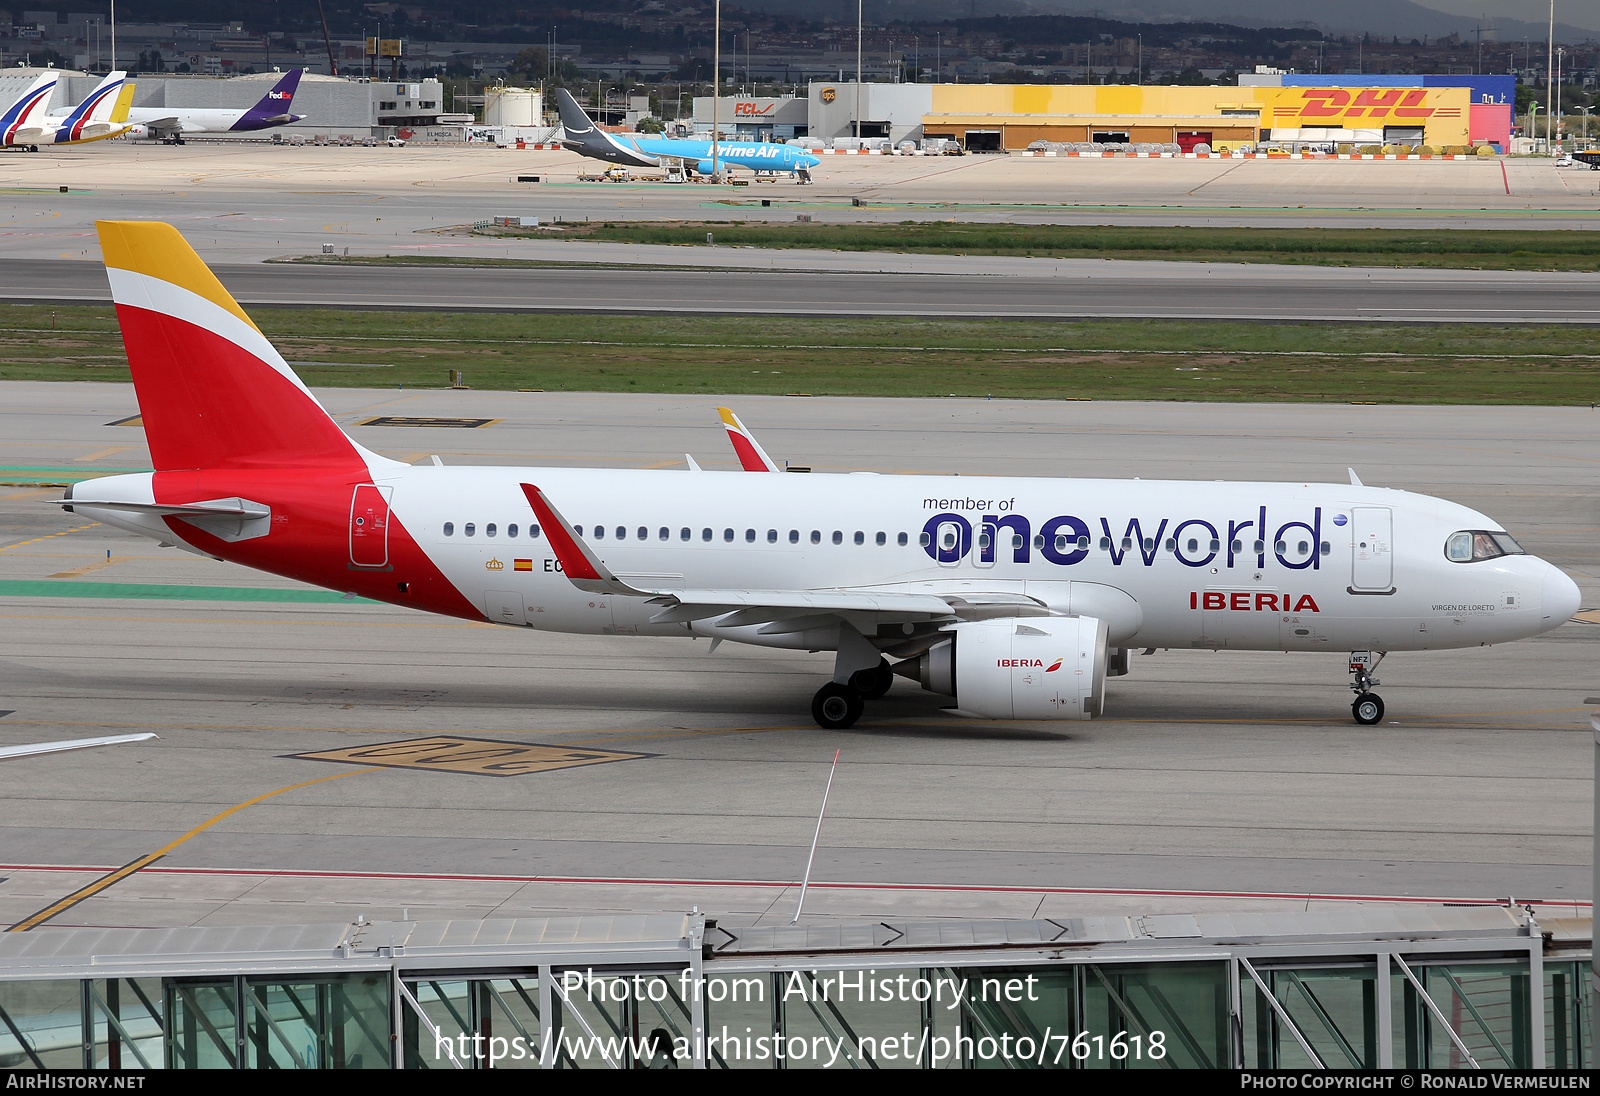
point(522, 565)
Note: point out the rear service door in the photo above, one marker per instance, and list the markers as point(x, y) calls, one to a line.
point(369, 526)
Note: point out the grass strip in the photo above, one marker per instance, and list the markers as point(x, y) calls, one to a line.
point(152, 591)
point(1454, 249)
point(889, 356)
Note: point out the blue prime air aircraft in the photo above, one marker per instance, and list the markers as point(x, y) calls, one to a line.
point(584, 137)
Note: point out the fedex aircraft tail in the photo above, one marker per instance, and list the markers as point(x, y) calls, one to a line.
point(213, 392)
point(273, 108)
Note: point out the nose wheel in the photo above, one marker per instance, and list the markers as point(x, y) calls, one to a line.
point(1368, 709)
point(1368, 706)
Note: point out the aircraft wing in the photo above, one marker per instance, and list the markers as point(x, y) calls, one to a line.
point(769, 606)
point(164, 125)
point(11, 753)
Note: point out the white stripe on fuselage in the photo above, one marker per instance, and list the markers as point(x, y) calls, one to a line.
point(1433, 604)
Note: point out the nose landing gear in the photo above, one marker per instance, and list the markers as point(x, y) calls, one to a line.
point(1368, 706)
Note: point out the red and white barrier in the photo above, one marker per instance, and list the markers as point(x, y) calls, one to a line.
point(1249, 155)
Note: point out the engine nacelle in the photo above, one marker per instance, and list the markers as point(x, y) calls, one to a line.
point(1019, 667)
point(140, 133)
point(704, 167)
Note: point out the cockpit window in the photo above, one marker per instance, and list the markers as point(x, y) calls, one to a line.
point(1472, 545)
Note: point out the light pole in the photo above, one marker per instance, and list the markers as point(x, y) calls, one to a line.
point(1533, 121)
point(859, 24)
point(1141, 60)
point(1549, 68)
point(1561, 55)
point(716, 87)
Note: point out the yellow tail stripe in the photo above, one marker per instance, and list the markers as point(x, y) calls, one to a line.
point(119, 112)
point(160, 251)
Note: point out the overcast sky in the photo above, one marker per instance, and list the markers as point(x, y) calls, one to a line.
point(1581, 13)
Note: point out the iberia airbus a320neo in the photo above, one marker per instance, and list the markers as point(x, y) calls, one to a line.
point(1016, 598)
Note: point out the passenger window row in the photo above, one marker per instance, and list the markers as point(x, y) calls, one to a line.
point(729, 536)
point(470, 529)
point(1191, 545)
point(1062, 542)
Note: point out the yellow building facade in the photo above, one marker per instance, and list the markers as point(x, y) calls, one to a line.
point(1012, 116)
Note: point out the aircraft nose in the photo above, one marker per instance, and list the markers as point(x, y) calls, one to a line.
point(1559, 596)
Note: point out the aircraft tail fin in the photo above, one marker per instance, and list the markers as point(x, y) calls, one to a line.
point(574, 119)
point(273, 107)
point(752, 458)
point(32, 103)
point(98, 106)
point(213, 392)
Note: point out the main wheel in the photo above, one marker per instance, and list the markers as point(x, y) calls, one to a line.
point(1367, 709)
point(836, 706)
point(873, 683)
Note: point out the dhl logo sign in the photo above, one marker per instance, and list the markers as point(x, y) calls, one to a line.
point(1365, 103)
point(755, 109)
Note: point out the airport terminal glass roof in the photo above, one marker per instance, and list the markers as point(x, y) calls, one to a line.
point(1365, 987)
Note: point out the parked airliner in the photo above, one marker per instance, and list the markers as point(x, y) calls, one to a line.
point(32, 104)
point(171, 124)
point(104, 113)
point(1016, 598)
point(581, 135)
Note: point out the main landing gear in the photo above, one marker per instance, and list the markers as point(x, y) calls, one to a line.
point(837, 706)
point(1368, 706)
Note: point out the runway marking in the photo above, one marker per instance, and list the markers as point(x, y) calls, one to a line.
point(47, 536)
point(109, 451)
point(398, 420)
point(97, 565)
point(62, 905)
point(477, 756)
point(958, 888)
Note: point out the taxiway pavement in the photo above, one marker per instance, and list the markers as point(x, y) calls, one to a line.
point(1231, 777)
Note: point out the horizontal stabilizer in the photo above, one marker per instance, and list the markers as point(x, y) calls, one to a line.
point(176, 510)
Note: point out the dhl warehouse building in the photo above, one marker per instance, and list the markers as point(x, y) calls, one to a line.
point(1438, 112)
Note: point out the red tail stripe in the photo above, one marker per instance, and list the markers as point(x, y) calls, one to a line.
point(748, 457)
